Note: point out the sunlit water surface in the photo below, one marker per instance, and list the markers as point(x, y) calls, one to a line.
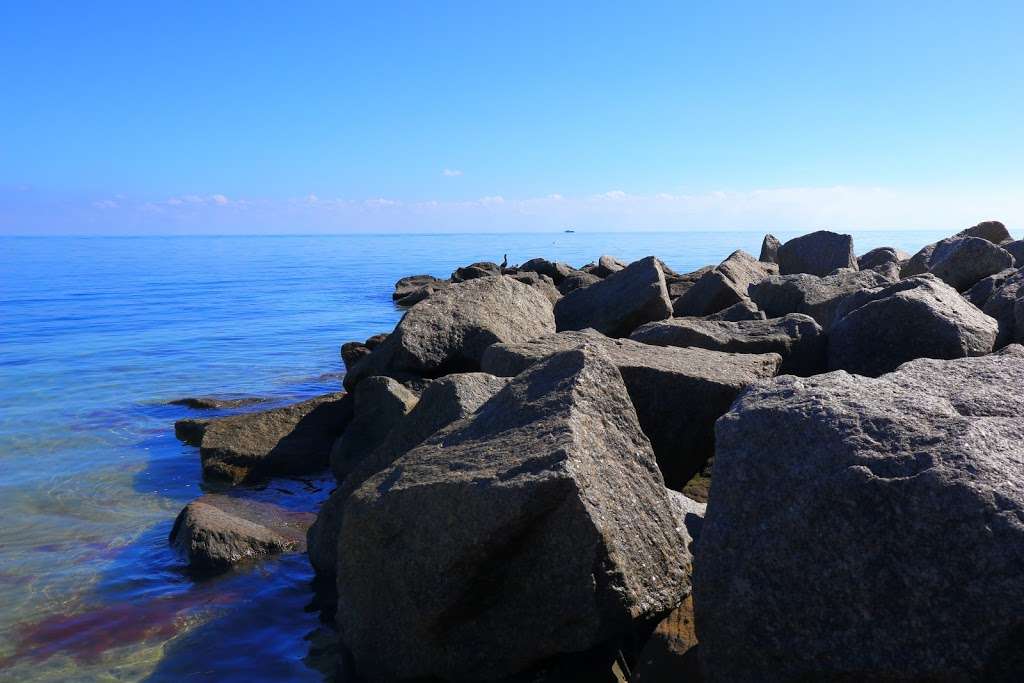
point(98, 334)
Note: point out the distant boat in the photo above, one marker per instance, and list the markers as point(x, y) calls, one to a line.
point(570, 231)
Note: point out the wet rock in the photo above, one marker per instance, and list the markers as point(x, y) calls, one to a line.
point(835, 502)
point(555, 270)
point(819, 253)
point(1016, 250)
point(577, 281)
point(379, 404)
point(294, 439)
point(618, 304)
point(815, 296)
point(797, 338)
point(770, 249)
point(542, 283)
point(217, 531)
point(414, 283)
point(190, 430)
point(920, 317)
point(961, 262)
point(678, 393)
point(881, 256)
point(449, 331)
point(744, 310)
point(535, 527)
point(215, 403)
point(444, 401)
point(983, 290)
point(722, 287)
point(476, 270)
point(1000, 305)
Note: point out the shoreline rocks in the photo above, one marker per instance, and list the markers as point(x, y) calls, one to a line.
point(618, 304)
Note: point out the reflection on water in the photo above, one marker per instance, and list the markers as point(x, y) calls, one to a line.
point(98, 334)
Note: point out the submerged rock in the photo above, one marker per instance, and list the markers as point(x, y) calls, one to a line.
point(379, 403)
point(215, 403)
point(449, 331)
point(294, 439)
point(818, 253)
point(618, 304)
point(826, 550)
point(723, 286)
point(535, 527)
point(217, 531)
point(818, 297)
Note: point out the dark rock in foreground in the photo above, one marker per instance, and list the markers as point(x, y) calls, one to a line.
point(868, 529)
point(818, 253)
point(818, 297)
point(217, 531)
point(535, 527)
point(618, 304)
point(294, 439)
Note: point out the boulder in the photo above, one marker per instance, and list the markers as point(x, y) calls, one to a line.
point(352, 352)
point(1000, 305)
point(577, 281)
point(819, 253)
point(216, 403)
point(444, 401)
point(681, 284)
point(414, 283)
point(449, 331)
point(678, 393)
point(881, 256)
point(920, 317)
point(537, 526)
point(797, 338)
point(1016, 250)
point(606, 265)
point(555, 270)
point(868, 529)
point(379, 403)
point(476, 270)
point(542, 283)
point(724, 286)
point(216, 531)
point(743, 310)
point(1015, 350)
point(190, 430)
point(618, 304)
point(815, 296)
point(961, 262)
point(983, 290)
point(993, 231)
point(293, 439)
point(770, 249)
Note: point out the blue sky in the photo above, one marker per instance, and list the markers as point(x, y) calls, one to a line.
point(148, 118)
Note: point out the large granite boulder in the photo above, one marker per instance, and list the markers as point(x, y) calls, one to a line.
point(556, 270)
point(881, 256)
point(920, 317)
point(414, 283)
point(476, 270)
point(724, 286)
point(442, 402)
point(535, 527)
point(983, 290)
point(379, 403)
point(576, 281)
point(961, 262)
point(993, 231)
point(1016, 250)
point(1000, 305)
point(770, 249)
point(815, 296)
point(679, 285)
point(449, 331)
point(294, 439)
point(797, 338)
point(216, 531)
point(542, 283)
point(677, 393)
point(818, 253)
point(743, 310)
point(868, 529)
point(618, 304)
point(605, 266)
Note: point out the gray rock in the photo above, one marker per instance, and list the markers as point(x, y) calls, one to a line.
point(294, 439)
point(921, 262)
point(555, 270)
point(217, 531)
point(618, 304)
point(577, 281)
point(819, 253)
point(815, 296)
point(679, 285)
point(881, 256)
point(983, 290)
point(920, 317)
point(606, 265)
point(1016, 250)
point(678, 393)
point(770, 249)
point(542, 283)
point(535, 527)
point(476, 270)
point(352, 352)
point(993, 231)
point(414, 283)
point(1015, 350)
point(868, 529)
point(797, 338)
point(422, 294)
point(722, 287)
point(961, 262)
point(379, 404)
point(1000, 305)
point(215, 402)
point(444, 401)
point(449, 331)
point(744, 310)
point(190, 430)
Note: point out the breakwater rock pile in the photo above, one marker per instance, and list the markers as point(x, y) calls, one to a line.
point(803, 466)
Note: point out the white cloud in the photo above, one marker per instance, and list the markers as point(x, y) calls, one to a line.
point(106, 204)
point(451, 172)
point(219, 199)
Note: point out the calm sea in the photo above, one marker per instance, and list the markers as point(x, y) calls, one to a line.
point(98, 334)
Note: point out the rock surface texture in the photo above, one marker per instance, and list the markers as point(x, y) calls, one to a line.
point(818, 253)
point(535, 527)
point(826, 550)
point(618, 304)
point(379, 404)
point(818, 297)
point(723, 286)
point(962, 261)
point(449, 331)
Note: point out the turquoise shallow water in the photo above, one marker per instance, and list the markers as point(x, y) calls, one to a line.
point(99, 333)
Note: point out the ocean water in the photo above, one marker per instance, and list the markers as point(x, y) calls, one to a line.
point(98, 334)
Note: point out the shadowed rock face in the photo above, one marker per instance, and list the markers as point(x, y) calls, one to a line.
point(577, 281)
point(818, 253)
point(818, 297)
point(618, 304)
point(847, 508)
point(744, 310)
point(770, 249)
point(1001, 305)
point(379, 404)
point(449, 331)
point(920, 317)
point(1016, 250)
point(537, 526)
point(217, 531)
point(677, 393)
point(722, 287)
point(961, 262)
point(294, 439)
point(983, 290)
